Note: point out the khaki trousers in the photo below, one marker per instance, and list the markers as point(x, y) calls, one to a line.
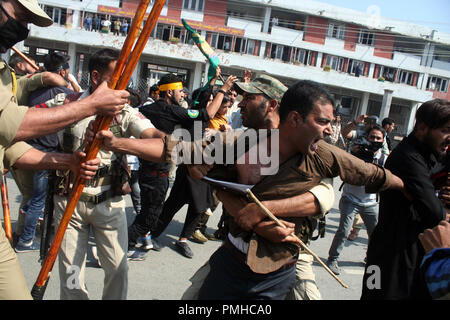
point(12, 282)
point(24, 181)
point(305, 281)
point(109, 224)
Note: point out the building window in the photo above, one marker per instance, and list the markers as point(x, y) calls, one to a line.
point(163, 31)
point(437, 84)
point(336, 31)
point(356, 67)
point(387, 73)
point(221, 41)
point(239, 45)
point(152, 2)
point(251, 45)
point(303, 56)
point(276, 52)
point(406, 77)
point(58, 15)
point(195, 5)
point(335, 63)
point(367, 38)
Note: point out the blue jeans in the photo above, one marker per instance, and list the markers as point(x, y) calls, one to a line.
point(348, 210)
point(35, 206)
point(135, 191)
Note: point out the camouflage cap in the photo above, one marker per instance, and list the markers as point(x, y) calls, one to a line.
point(271, 87)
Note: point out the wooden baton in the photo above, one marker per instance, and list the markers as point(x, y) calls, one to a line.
point(119, 80)
point(302, 244)
point(6, 212)
point(24, 57)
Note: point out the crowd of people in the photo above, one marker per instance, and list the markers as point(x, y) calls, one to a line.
point(105, 25)
point(401, 193)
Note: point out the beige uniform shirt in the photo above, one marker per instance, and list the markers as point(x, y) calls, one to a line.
point(132, 123)
point(11, 115)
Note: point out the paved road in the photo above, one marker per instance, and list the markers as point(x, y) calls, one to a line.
point(164, 275)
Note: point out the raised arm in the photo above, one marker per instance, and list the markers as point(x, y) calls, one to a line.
point(214, 106)
point(346, 131)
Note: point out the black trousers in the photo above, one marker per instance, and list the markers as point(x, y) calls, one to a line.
point(185, 190)
point(231, 279)
point(153, 194)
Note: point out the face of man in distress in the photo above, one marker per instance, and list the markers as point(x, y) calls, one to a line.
point(438, 139)
point(307, 132)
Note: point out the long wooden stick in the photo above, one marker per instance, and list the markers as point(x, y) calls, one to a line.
point(6, 212)
point(24, 57)
point(302, 244)
point(119, 81)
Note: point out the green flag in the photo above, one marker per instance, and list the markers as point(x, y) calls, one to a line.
point(206, 49)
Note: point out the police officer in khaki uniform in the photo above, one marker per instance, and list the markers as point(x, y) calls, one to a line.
point(20, 123)
point(102, 205)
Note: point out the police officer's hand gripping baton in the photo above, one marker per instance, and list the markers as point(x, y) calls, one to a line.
point(303, 245)
point(124, 68)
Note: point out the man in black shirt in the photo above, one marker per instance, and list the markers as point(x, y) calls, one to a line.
point(395, 253)
point(166, 114)
point(388, 125)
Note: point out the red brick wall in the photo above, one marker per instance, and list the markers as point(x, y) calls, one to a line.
point(324, 60)
point(351, 37)
point(257, 48)
point(442, 95)
point(376, 71)
point(384, 45)
point(316, 30)
point(174, 9)
point(313, 58)
point(214, 13)
point(268, 49)
point(366, 69)
point(415, 78)
point(345, 65)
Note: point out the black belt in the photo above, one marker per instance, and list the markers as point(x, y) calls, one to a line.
point(98, 198)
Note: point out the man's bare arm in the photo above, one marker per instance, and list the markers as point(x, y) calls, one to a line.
point(35, 159)
point(214, 106)
point(148, 149)
point(40, 122)
point(248, 215)
point(51, 79)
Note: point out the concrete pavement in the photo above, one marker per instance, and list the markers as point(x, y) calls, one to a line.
point(165, 275)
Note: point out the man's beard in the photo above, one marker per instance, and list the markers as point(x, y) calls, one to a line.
point(174, 101)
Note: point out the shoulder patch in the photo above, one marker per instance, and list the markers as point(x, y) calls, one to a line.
point(193, 113)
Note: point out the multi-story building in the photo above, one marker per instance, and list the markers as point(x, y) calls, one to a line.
point(371, 64)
